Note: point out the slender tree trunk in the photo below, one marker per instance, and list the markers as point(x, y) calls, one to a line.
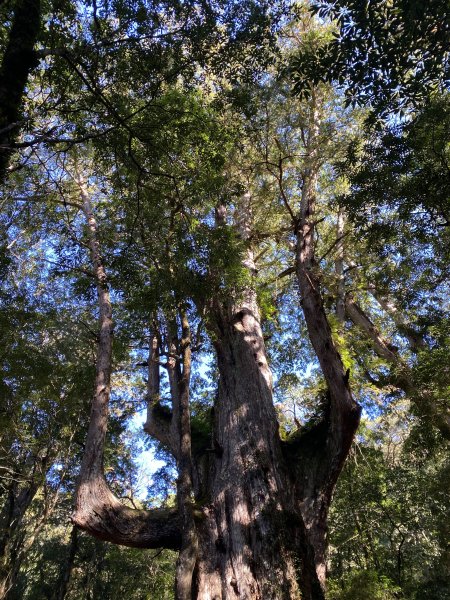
point(382, 347)
point(97, 510)
point(12, 535)
point(66, 571)
point(189, 540)
point(415, 339)
point(339, 268)
point(401, 376)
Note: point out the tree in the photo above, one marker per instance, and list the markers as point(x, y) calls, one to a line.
point(233, 529)
point(187, 201)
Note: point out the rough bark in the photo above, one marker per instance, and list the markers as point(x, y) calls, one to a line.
point(97, 510)
point(247, 550)
point(249, 531)
point(341, 418)
point(18, 61)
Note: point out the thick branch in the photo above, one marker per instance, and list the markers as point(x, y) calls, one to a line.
point(101, 514)
point(359, 318)
point(402, 376)
point(344, 411)
point(97, 510)
point(18, 61)
point(326, 451)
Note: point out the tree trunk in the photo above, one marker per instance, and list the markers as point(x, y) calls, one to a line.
point(329, 442)
point(401, 375)
point(11, 521)
point(249, 527)
point(67, 568)
point(97, 510)
point(18, 61)
point(252, 538)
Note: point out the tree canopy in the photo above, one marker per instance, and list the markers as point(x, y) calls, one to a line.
point(224, 302)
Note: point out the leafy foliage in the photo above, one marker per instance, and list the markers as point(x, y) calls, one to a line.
point(386, 54)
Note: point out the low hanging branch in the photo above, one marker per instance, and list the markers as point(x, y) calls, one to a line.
point(97, 510)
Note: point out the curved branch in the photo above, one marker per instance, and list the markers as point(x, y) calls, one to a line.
point(97, 510)
point(102, 515)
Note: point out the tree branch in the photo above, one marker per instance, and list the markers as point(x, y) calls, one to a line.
point(97, 510)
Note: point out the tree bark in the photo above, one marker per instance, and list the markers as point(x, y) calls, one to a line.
point(159, 419)
point(66, 571)
point(18, 61)
point(341, 415)
point(359, 318)
point(12, 535)
point(248, 529)
point(189, 539)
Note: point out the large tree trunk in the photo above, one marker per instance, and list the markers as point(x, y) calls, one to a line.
point(253, 542)
point(250, 529)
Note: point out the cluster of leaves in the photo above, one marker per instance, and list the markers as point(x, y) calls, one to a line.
point(386, 54)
